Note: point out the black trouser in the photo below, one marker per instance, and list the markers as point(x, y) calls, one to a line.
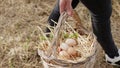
point(100, 13)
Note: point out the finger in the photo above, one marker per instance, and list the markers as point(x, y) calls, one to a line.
point(62, 5)
point(69, 8)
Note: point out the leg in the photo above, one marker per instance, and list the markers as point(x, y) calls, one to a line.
point(101, 12)
point(55, 13)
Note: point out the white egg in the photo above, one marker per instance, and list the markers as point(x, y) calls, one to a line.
point(64, 46)
point(71, 42)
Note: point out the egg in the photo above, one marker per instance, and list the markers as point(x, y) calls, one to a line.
point(59, 49)
point(64, 55)
point(72, 52)
point(71, 42)
point(64, 46)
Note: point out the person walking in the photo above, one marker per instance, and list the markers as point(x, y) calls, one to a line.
point(100, 11)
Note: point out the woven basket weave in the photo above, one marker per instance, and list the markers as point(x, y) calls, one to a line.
point(49, 59)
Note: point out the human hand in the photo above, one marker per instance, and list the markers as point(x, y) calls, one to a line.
point(65, 5)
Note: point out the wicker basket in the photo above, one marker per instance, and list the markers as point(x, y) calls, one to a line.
point(49, 59)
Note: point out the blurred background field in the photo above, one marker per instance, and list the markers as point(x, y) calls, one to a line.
point(19, 35)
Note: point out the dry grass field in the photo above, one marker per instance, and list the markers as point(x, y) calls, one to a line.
point(19, 35)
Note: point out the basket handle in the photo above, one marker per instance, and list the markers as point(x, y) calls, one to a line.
point(56, 37)
point(55, 42)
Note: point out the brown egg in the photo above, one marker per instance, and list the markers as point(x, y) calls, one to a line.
point(64, 55)
point(72, 52)
point(59, 49)
point(71, 42)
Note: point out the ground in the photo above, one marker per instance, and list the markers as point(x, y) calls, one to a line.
point(19, 35)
